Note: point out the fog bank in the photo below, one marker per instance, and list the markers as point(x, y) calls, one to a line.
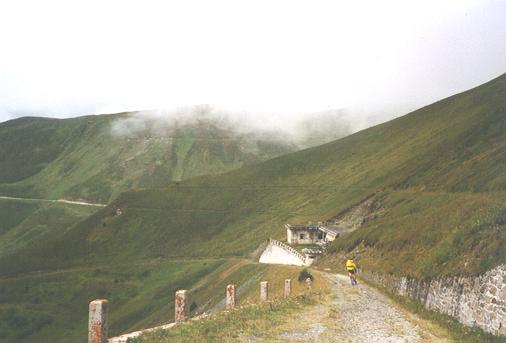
point(303, 130)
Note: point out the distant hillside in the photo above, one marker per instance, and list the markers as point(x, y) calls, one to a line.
point(27, 222)
point(97, 157)
point(437, 177)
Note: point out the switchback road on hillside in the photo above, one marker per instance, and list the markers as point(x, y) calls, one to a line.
point(56, 201)
point(355, 314)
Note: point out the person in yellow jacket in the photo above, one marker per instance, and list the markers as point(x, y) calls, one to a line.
point(351, 267)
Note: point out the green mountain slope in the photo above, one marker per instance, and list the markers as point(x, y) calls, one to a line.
point(28, 145)
point(453, 149)
point(25, 222)
point(436, 176)
point(97, 157)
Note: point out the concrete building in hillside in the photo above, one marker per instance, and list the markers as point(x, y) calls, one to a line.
point(311, 233)
point(316, 236)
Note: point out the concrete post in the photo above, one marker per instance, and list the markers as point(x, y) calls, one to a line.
point(97, 322)
point(182, 308)
point(309, 282)
point(288, 288)
point(230, 300)
point(264, 291)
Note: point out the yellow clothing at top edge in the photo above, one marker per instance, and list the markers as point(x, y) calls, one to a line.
point(350, 265)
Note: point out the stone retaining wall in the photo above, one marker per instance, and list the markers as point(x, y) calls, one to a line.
point(474, 301)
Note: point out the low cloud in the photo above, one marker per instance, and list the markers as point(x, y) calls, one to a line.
point(303, 130)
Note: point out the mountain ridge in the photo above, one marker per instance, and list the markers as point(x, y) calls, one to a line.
point(97, 157)
point(83, 159)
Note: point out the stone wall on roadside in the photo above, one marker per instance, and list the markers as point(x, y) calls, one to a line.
point(474, 301)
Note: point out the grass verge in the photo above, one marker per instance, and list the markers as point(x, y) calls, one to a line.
point(254, 320)
point(251, 318)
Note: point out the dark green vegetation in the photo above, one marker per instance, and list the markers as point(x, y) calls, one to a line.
point(28, 145)
point(438, 175)
point(49, 307)
point(97, 157)
point(24, 222)
point(304, 275)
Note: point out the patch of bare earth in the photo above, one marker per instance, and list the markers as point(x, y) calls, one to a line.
point(353, 218)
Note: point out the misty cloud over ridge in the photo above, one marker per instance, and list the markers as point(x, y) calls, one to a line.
point(303, 130)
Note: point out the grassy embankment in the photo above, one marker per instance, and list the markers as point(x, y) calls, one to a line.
point(251, 318)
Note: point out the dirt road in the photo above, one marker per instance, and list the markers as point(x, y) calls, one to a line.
point(83, 203)
point(357, 314)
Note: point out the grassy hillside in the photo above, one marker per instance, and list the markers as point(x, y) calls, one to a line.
point(437, 176)
point(25, 222)
point(28, 145)
point(97, 157)
point(450, 153)
point(41, 307)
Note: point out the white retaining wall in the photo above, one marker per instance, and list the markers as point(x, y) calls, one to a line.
point(276, 253)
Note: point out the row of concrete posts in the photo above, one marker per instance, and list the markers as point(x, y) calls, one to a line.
point(97, 324)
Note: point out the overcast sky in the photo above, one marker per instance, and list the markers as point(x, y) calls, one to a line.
point(67, 58)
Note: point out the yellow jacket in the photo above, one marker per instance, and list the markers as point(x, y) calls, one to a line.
point(350, 265)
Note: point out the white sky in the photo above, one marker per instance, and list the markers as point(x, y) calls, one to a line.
point(65, 58)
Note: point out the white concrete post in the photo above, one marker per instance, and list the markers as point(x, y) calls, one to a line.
point(97, 322)
point(264, 291)
point(309, 282)
point(230, 300)
point(181, 304)
point(288, 288)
